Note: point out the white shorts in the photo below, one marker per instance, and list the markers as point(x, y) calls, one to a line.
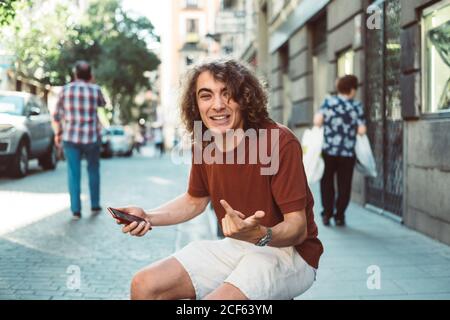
point(261, 273)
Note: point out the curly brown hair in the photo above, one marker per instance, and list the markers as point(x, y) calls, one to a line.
point(242, 84)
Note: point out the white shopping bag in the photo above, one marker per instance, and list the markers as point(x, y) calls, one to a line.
point(312, 141)
point(365, 162)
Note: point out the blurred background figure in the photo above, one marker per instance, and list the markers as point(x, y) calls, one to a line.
point(77, 129)
point(138, 141)
point(342, 118)
point(140, 136)
point(158, 140)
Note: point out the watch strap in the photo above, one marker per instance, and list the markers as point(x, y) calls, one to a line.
point(266, 239)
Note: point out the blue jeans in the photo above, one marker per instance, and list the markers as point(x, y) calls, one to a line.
point(73, 153)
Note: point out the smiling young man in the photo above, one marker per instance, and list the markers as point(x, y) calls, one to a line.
point(270, 249)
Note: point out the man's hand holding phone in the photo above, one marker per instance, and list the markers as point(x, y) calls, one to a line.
point(135, 228)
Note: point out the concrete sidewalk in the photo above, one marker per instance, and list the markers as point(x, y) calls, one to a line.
point(45, 255)
point(410, 265)
point(37, 258)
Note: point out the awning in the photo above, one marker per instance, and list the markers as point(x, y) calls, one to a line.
point(305, 11)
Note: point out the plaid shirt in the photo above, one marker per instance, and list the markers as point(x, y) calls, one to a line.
point(75, 115)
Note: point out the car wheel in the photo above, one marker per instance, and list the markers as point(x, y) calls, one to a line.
point(19, 165)
point(106, 152)
point(50, 159)
point(129, 153)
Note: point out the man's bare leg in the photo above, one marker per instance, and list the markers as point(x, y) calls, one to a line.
point(163, 280)
point(226, 292)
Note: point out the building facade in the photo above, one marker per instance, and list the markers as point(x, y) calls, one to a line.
point(398, 49)
point(185, 41)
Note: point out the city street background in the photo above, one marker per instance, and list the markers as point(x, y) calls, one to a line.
point(40, 244)
point(396, 243)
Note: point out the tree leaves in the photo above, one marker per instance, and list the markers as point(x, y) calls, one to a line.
point(7, 11)
point(47, 41)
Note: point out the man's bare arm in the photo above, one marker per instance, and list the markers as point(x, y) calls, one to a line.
point(178, 210)
point(291, 232)
point(362, 129)
point(318, 119)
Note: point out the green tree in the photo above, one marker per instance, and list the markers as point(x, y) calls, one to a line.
point(7, 11)
point(34, 40)
point(117, 45)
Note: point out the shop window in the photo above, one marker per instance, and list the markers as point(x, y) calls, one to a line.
point(345, 64)
point(436, 57)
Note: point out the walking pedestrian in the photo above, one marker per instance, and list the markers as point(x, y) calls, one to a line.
point(78, 131)
point(343, 118)
point(158, 139)
point(271, 248)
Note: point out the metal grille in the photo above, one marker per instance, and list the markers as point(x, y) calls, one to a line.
point(385, 127)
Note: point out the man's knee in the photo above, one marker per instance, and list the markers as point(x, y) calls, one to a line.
point(143, 287)
point(163, 280)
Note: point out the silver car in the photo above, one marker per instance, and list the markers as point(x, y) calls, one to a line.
point(25, 133)
point(121, 140)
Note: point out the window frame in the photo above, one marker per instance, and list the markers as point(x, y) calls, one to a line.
point(426, 109)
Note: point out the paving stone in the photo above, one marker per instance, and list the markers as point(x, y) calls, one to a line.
point(37, 259)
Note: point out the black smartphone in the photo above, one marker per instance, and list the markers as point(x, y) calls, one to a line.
point(124, 217)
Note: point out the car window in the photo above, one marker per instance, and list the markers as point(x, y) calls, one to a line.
point(117, 132)
point(11, 105)
point(41, 105)
point(35, 104)
point(30, 105)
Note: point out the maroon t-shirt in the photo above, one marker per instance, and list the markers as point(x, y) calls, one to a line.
point(281, 189)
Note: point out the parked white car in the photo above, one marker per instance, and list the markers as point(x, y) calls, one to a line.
point(121, 140)
point(25, 133)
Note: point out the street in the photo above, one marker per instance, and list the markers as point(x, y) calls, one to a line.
point(45, 255)
point(364, 85)
point(40, 246)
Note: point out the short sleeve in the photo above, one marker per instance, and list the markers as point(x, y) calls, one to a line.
point(289, 185)
point(323, 106)
point(100, 99)
point(198, 186)
point(361, 120)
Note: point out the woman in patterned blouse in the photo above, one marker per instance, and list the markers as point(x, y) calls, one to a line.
point(342, 118)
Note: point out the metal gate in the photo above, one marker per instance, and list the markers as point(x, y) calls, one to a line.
point(383, 109)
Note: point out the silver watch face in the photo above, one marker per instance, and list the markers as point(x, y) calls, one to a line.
point(266, 239)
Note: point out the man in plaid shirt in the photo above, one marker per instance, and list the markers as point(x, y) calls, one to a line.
point(78, 130)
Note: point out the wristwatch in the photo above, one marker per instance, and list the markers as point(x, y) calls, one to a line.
point(266, 239)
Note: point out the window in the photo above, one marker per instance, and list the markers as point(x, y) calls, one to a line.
point(228, 4)
point(191, 4)
point(345, 63)
point(192, 26)
point(436, 57)
point(192, 31)
point(11, 105)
